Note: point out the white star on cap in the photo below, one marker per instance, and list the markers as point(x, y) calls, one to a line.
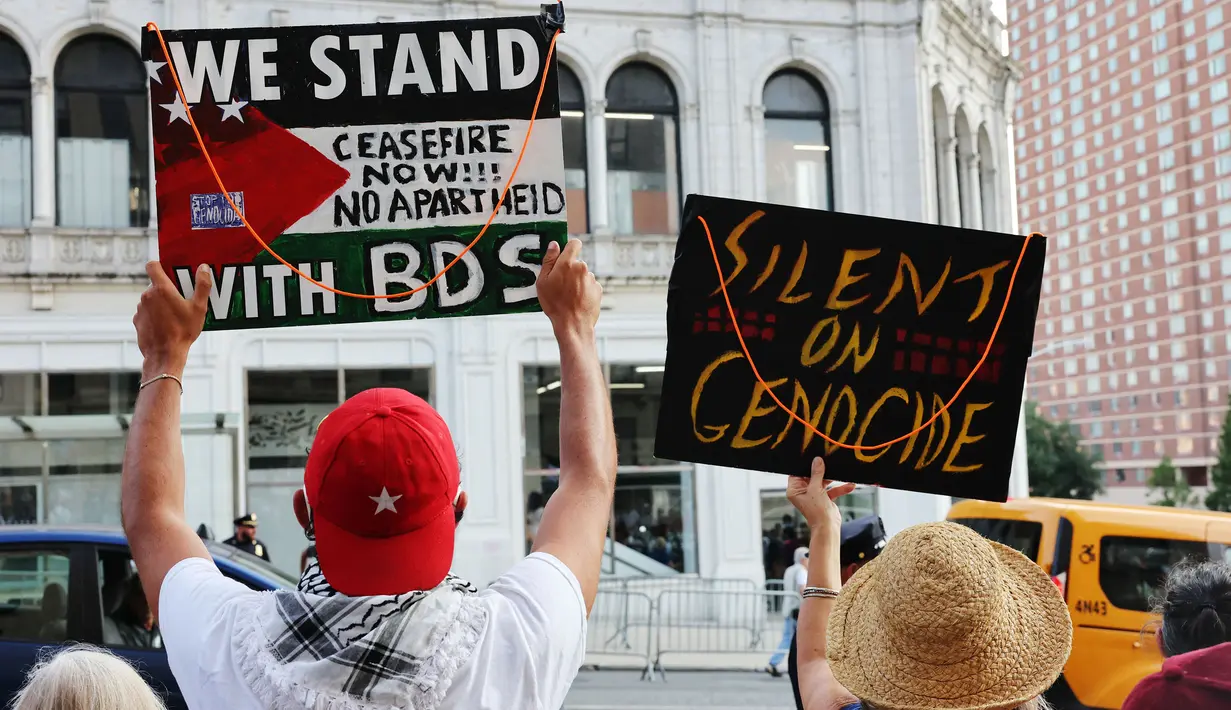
point(152, 67)
point(232, 109)
point(178, 111)
point(384, 501)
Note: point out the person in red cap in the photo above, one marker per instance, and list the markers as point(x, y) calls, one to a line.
point(377, 620)
point(1197, 680)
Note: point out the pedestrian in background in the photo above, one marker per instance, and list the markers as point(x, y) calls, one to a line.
point(793, 581)
point(85, 678)
point(941, 619)
point(245, 537)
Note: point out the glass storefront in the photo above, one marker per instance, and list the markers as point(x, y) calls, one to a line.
point(783, 528)
point(62, 439)
point(284, 409)
point(652, 517)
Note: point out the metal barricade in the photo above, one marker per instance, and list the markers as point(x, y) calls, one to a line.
point(621, 628)
point(698, 624)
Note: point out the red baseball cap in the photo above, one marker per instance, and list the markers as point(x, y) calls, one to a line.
point(382, 480)
point(1201, 679)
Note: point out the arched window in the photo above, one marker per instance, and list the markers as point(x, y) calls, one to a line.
point(643, 138)
point(102, 135)
point(573, 128)
point(15, 176)
point(798, 161)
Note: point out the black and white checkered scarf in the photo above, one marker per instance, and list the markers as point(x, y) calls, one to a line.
point(315, 648)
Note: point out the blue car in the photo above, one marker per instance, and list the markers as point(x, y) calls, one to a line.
point(65, 585)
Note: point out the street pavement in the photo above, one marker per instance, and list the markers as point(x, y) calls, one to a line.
point(712, 690)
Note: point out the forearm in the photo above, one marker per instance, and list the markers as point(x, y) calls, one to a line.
point(824, 570)
point(587, 435)
point(153, 472)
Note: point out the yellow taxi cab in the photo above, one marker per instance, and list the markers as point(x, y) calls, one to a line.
point(1109, 561)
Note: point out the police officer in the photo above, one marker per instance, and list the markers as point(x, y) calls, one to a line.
point(862, 540)
point(245, 537)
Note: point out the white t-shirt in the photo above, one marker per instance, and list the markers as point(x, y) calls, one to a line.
point(528, 656)
point(793, 580)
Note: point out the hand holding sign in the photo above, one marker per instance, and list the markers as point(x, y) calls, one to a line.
point(167, 323)
point(568, 292)
point(816, 499)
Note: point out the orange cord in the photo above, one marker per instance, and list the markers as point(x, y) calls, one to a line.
point(308, 277)
point(861, 447)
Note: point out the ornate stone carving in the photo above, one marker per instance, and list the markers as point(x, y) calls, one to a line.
point(40, 85)
point(71, 249)
point(13, 249)
point(134, 250)
point(101, 250)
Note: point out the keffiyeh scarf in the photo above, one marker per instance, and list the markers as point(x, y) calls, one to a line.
point(315, 648)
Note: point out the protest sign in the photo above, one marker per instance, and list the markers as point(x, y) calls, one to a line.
point(367, 156)
point(864, 328)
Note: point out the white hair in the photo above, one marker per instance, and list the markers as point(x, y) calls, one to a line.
point(800, 554)
point(85, 678)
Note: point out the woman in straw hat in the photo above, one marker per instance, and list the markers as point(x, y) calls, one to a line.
point(942, 619)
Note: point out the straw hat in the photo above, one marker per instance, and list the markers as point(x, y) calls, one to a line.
point(944, 619)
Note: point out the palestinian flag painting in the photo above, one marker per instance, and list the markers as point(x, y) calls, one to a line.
point(367, 156)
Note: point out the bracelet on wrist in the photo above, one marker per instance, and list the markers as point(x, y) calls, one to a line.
point(819, 593)
point(163, 376)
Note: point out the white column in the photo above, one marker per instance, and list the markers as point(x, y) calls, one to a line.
point(990, 193)
point(1019, 476)
point(43, 140)
point(948, 168)
point(596, 165)
point(974, 192)
point(756, 115)
point(902, 509)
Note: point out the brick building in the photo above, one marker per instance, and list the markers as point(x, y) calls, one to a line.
point(1124, 161)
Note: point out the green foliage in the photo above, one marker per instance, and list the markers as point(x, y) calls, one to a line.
point(1170, 483)
point(1060, 467)
point(1219, 497)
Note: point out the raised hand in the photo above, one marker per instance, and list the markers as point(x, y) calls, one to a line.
point(568, 292)
point(167, 323)
point(816, 498)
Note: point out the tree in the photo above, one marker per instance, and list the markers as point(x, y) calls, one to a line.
point(1060, 467)
point(1219, 497)
point(1171, 483)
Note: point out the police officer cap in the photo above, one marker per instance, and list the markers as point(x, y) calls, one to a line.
point(862, 539)
point(246, 519)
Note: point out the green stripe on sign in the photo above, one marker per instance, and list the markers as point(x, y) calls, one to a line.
point(497, 276)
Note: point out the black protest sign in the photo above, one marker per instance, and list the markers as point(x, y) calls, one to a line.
point(368, 157)
point(862, 327)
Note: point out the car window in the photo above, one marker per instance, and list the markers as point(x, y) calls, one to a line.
point(34, 595)
point(1021, 535)
point(128, 621)
point(252, 564)
point(1132, 569)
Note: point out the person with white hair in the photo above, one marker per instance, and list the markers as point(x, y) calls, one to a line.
point(793, 580)
point(85, 678)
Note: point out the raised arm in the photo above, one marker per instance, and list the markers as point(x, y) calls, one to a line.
point(152, 493)
point(818, 688)
point(574, 524)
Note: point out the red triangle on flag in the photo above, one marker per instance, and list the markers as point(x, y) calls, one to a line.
point(281, 177)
